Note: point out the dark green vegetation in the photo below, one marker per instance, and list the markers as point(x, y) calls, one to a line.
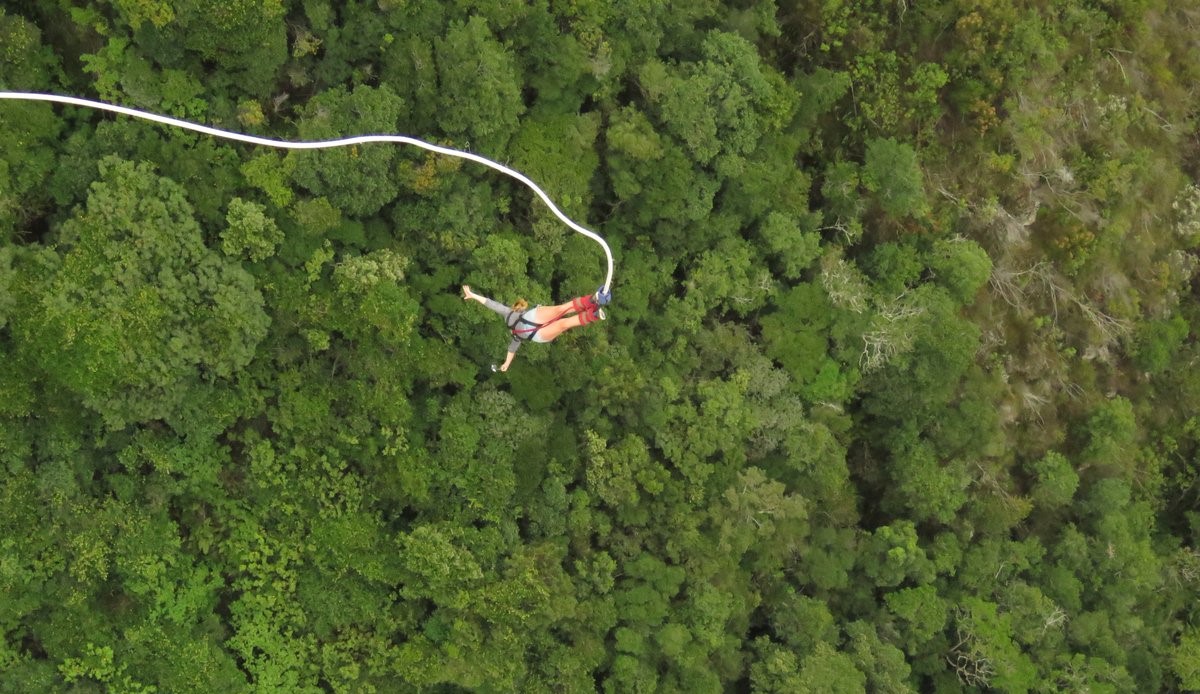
point(899, 391)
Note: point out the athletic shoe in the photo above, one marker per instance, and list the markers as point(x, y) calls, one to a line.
point(600, 312)
point(602, 297)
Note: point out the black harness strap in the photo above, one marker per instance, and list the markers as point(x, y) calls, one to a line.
point(524, 333)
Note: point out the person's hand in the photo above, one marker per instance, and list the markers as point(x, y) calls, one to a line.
point(504, 366)
point(467, 295)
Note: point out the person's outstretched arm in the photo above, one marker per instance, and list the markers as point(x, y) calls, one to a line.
point(508, 360)
point(493, 305)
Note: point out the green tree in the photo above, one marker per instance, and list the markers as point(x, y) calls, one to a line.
point(1185, 659)
point(720, 105)
point(247, 39)
point(756, 515)
point(479, 86)
point(560, 152)
point(25, 62)
point(800, 621)
point(136, 311)
point(844, 204)
point(796, 335)
point(356, 180)
point(921, 614)
point(27, 130)
point(960, 265)
point(1056, 481)
point(930, 489)
point(250, 232)
point(892, 174)
point(1111, 430)
point(828, 670)
point(883, 664)
point(795, 245)
point(892, 553)
point(437, 567)
point(1156, 342)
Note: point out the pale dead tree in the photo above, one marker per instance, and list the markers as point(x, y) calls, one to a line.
point(1014, 288)
point(601, 60)
point(988, 480)
point(845, 285)
point(1163, 124)
point(851, 231)
point(1183, 265)
point(1077, 677)
point(990, 340)
point(1109, 327)
point(1189, 569)
point(879, 347)
point(898, 309)
point(1055, 619)
point(1190, 17)
point(1187, 207)
point(1072, 389)
point(892, 332)
point(1013, 230)
point(1052, 128)
point(764, 285)
point(1033, 402)
point(973, 667)
point(1183, 570)
point(955, 199)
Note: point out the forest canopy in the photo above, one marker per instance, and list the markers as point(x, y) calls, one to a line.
point(896, 392)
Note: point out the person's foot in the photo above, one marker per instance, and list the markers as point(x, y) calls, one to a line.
point(602, 297)
point(584, 304)
point(592, 315)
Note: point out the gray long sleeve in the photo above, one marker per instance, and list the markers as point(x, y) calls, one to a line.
point(495, 306)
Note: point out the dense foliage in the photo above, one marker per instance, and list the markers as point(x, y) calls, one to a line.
point(897, 393)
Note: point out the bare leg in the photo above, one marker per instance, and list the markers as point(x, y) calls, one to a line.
point(559, 310)
point(560, 326)
point(585, 303)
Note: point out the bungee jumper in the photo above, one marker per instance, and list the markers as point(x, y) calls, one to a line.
point(543, 323)
point(539, 324)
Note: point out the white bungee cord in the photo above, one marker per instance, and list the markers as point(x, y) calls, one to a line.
point(326, 144)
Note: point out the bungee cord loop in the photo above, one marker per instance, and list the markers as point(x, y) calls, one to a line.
point(328, 144)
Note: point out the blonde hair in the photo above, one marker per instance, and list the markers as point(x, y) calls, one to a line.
point(521, 305)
